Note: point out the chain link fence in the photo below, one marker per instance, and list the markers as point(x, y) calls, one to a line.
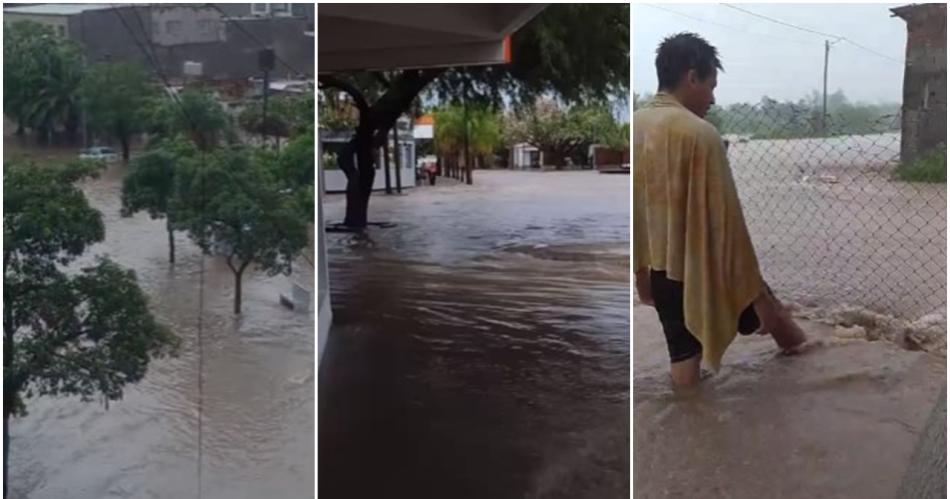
point(832, 217)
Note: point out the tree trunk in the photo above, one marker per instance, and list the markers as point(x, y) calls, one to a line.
point(237, 290)
point(125, 149)
point(359, 179)
point(372, 131)
point(6, 446)
point(397, 159)
point(171, 241)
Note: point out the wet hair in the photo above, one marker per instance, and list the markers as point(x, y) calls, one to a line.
point(679, 53)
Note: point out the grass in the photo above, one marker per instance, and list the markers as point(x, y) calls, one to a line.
point(930, 168)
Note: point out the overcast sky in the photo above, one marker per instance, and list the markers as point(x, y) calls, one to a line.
point(761, 57)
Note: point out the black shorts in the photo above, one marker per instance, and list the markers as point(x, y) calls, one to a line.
point(668, 297)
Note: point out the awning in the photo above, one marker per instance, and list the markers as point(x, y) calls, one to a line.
point(397, 36)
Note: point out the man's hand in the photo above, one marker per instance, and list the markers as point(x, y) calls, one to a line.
point(644, 290)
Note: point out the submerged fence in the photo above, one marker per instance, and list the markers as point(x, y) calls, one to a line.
point(832, 211)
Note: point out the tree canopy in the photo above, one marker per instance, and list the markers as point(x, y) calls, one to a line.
point(231, 201)
point(573, 52)
point(116, 97)
point(565, 132)
point(42, 74)
point(67, 331)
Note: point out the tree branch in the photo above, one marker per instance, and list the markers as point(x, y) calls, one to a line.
point(348, 88)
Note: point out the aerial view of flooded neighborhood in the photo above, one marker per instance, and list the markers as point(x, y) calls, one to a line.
point(158, 250)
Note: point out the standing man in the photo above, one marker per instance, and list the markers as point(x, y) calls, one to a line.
point(693, 257)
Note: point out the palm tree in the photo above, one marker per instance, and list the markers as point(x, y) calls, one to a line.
point(481, 124)
point(56, 98)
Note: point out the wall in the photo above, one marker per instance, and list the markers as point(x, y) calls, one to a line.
point(924, 112)
point(234, 57)
point(334, 181)
point(194, 25)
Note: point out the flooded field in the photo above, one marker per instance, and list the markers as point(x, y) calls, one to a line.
point(480, 348)
point(258, 388)
point(831, 227)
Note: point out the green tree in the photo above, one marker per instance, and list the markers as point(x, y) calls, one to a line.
point(231, 202)
point(42, 77)
point(116, 96)
point(82, 331)
point(287, 116)
point(477, 125)
point(150, 184)
point(194, 113)
point(575, 52)
point(564, 132)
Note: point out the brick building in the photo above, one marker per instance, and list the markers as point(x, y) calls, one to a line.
point(924, 109)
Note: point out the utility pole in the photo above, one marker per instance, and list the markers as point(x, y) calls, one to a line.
point(397, 157)
point(265, 61)
point(824, 93)
point(389, 188)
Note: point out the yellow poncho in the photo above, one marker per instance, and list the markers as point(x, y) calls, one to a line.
point(687, 220)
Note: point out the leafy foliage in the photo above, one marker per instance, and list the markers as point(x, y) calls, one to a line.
point(287, 116)
point(196, 114)
point(116, 96)
point(67, 333)
point(565, 132)
point(480, 124)
point(42, 74)
point(232, 200)
point(930, 168)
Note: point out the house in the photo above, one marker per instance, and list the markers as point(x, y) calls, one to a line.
point(204, 41)
point(924, 109)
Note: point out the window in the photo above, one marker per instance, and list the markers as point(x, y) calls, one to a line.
point(173, 27)
point(260, 9)
point(205, 27)
point(280, 9)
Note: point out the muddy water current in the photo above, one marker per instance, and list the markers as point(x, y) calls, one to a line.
point(258, 408)
point(480, 347)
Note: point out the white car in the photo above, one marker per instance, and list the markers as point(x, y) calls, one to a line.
point(106, 154)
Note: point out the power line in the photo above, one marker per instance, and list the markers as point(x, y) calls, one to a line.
point(812, 31)
point(201, 272)
point(733, 28)
point(254, 38)
point(783, 23)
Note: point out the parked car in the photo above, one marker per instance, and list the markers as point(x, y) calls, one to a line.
point(106, 154)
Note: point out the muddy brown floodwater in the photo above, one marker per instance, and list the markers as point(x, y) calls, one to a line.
point(480, 348)
point(839, 422)
point(258, 388)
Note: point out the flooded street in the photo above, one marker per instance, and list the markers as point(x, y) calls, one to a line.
point(258, 388)
point(831, 226)
point(839, 422)
point(480, 348)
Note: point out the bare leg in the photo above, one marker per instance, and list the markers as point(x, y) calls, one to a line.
point(685, 373)
point(777, 321)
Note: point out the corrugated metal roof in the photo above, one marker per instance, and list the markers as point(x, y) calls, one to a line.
point(56, 9)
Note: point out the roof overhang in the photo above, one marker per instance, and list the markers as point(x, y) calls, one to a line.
point(352, 37)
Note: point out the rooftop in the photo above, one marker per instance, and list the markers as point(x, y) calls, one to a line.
point(56, 9)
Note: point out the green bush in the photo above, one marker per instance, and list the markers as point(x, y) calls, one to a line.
point(930, 168)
